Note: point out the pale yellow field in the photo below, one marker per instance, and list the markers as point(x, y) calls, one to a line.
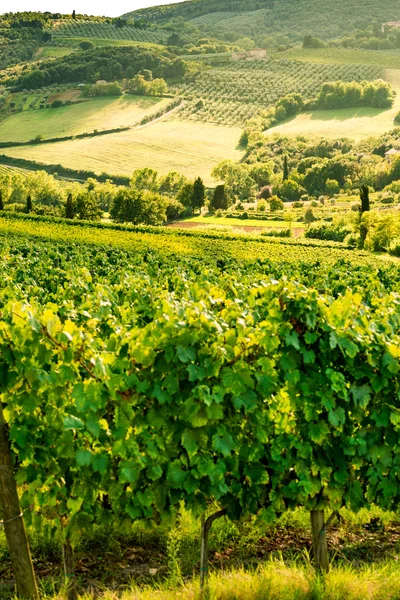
point(354, 123)
point(83, 117)
point(192, 149)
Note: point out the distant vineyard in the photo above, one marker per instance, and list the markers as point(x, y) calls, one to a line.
point(93, 29)
point(11, 171)
point(235, 93)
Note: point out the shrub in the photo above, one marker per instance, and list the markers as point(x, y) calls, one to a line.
point(265, 193)
point(297, 204)
point(262, 206)
point(328, 231)
point(87, 45)
point(388, 200)
point(283, 233)
point(397, 118)
point(394, 248)
point(309, 216)
point(275, 204)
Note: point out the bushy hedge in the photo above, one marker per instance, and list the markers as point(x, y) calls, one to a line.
point(339, 94)
point(328, 231)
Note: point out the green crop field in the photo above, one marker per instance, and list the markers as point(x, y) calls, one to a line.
point(355, 123)
point(233, 222)
point(236, 92)
point(82, 117)
point(192, 149)
point(387, 59)
point(72, 43)
point(93, 29)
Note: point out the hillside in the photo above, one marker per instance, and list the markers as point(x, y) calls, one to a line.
point(291, 18)
point(200, 302)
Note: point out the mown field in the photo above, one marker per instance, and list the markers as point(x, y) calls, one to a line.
point(354, 123)
point(82, 117)
point(192, 149)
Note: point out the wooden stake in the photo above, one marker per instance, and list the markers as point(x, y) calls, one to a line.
point(14, 527)
point(205, 529)
point(69, 570)
point(320, 546)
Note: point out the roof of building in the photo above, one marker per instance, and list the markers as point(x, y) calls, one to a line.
point(392, 151)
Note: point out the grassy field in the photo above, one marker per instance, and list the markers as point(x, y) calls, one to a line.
point(192, 149)
point(100, 42)
point(213, 220)
point(53, 52)
point(97, 113)
point(355, 123)
point(388, 59)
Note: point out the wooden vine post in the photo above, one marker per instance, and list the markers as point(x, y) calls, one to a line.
point(13, 522)
point(205, 530)
point(320, 545)
point(69, 570)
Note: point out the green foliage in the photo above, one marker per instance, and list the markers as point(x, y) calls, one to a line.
point(87, 45)
point(220, 200)
point(198, 194)
point(109, 64)
point(103, 89)
point(275, 204)
point(140, 86)
point(312, 42)
point(338, 94)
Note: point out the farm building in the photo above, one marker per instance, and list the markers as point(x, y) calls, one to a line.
point(392, 153)
point(255, 54)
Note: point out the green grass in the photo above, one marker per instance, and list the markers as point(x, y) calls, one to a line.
point(278, 581)
point(53, 52)
point(388, 59)
point(355, 123)
point(213, 220)
point(98, 41)
point(192, 149)
point(82, 117)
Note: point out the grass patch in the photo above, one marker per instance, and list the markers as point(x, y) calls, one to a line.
point(213, 220)
point(82, 117)
point(101, 42)
point(53, 52)
point(355, 123)
point(192, 149)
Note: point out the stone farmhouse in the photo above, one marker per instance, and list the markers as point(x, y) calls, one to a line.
point(255, 54)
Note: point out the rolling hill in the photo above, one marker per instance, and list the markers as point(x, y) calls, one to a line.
point(293, 18)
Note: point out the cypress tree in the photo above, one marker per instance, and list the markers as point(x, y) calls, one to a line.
point(28, 204)
point(285, 168)
point(199, 192)
point(69, 208)
point(220, 200)
point(364, 197)
point(1, 200)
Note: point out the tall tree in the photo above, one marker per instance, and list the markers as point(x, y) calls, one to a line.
point(69, 208)
point(29, 204)
point(220, 199)
point(1, 200)
point(285, 168)
point(199, 193)
point(364, 197)
point(73, 14)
